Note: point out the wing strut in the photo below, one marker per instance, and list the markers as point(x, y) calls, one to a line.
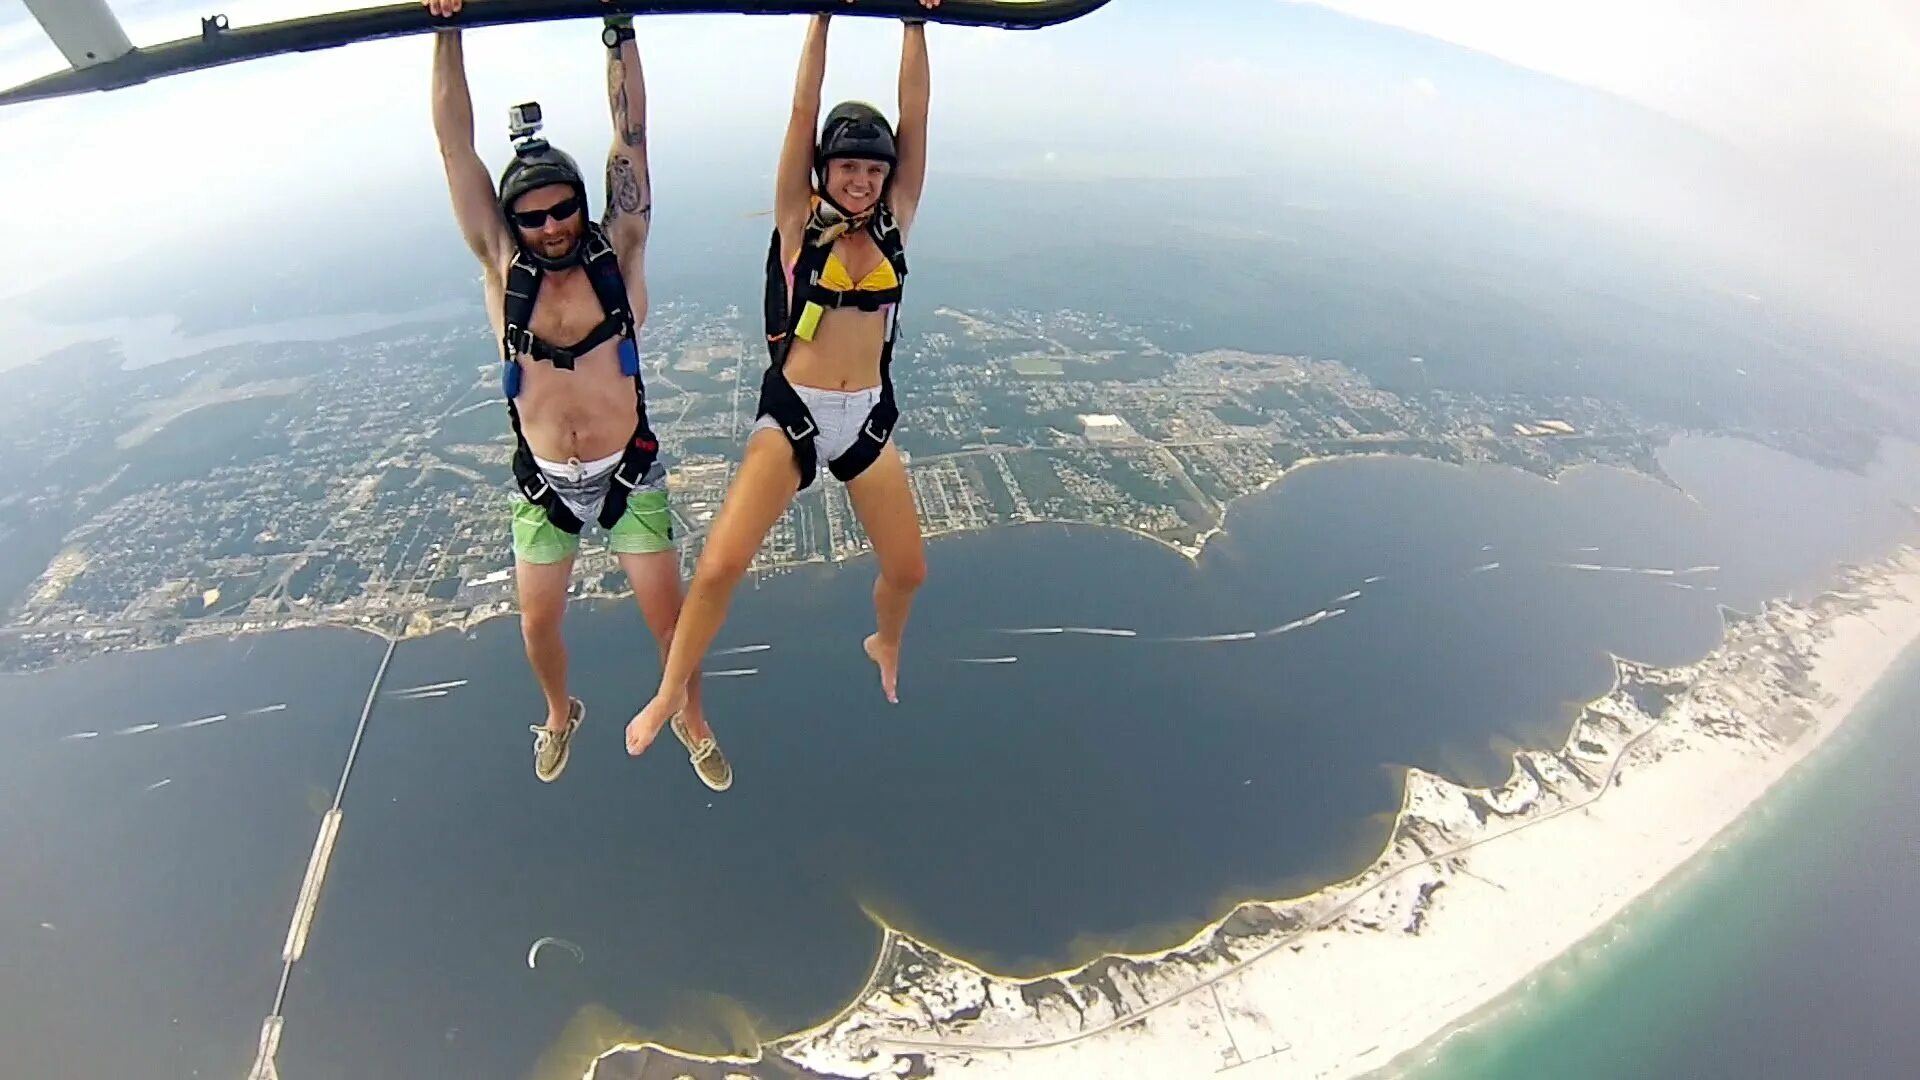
point(103, 59)
point(85, 30)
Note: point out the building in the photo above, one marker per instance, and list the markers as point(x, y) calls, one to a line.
point(1106, 428)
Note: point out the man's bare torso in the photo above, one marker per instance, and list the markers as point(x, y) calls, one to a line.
point(586, 413)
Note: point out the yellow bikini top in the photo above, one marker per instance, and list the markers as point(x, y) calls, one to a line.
point(834, 276)
point(808, 293)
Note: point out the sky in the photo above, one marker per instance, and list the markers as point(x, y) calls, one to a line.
point(1771, 131)
point(1824, 97)
point(1769, 73)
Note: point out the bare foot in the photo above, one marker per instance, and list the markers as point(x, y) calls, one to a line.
point(888, 659)
point(646, 723)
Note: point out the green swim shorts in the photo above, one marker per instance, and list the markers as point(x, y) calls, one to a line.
point(646, 527)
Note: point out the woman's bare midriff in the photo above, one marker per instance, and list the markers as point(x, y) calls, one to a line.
point(844, 353)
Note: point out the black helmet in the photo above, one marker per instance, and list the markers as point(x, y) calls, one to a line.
point(536, 164)
point(855, 129)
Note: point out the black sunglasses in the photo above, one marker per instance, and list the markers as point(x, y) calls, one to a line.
point(560, 211)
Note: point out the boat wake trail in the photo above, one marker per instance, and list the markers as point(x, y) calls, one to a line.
point(451, 684)
point(1649, 571)
point(1302, 623)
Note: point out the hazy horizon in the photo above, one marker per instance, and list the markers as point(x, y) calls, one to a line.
point(1377, 94)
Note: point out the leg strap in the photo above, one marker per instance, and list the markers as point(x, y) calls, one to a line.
point(642, 452)
point(874, 432)
point(533, 484)
point(779, 400)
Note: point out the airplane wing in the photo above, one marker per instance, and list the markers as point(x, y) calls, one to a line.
point(102, 58)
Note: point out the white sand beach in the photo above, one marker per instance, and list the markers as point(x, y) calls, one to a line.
point(1477, 887)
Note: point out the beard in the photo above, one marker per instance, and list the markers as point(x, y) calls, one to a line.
point(555, 251)
point(557, 247)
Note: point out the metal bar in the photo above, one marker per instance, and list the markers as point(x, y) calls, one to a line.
point(219, 44)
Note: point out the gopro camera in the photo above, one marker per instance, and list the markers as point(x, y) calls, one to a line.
point(523, 121)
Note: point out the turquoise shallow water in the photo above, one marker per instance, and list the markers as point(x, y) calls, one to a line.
point(1787, 951)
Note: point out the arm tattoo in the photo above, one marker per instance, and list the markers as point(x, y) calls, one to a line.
point(631, 133)
point(629, 191)
point(617, 90)
point(626, 190)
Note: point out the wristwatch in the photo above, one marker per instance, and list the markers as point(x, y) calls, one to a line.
point(616, 31)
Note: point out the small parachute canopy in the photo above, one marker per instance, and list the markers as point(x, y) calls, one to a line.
point(102, 58)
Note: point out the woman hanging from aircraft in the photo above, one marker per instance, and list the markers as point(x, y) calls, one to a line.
point(843, 206)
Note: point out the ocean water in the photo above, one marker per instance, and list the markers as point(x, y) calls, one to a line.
point(1785, 951)
point(1100, 790)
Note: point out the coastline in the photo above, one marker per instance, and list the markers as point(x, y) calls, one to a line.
point(1790, 798)
point(466, 620)
point(1192, 552)
point(1475, 890)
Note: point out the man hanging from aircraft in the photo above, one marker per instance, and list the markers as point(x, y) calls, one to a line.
point(567, 297)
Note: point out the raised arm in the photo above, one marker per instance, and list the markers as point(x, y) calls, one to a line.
point(629, 216)
point(793, 186)
point(476, 204)
point(916, 87)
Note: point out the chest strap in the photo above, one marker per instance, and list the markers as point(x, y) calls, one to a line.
point(523, 290)
point(783, 314)
point(642, 449)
